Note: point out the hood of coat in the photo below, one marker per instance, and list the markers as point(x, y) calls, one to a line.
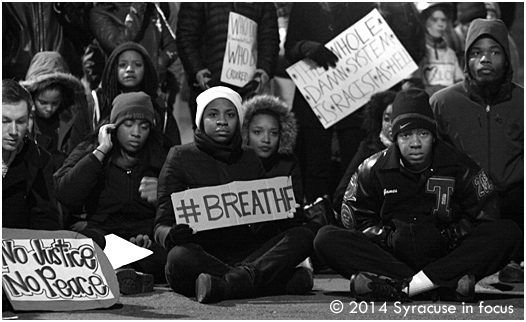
point(287, 120)
point(47, 68)
point(109, 82)
point(494, 29)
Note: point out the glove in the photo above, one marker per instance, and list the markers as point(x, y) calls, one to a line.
point(379, 235)
point(320, 54)
point(455, 233)
point(181, 234)
point(248, 89)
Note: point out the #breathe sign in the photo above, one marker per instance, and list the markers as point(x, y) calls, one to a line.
point(239, 62)
point(236, 203)
point(371, 60)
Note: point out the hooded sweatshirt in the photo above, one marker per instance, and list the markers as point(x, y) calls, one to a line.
point(48, 68)
point(487, 123)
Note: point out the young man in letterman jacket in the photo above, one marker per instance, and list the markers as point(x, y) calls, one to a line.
point(419, 215)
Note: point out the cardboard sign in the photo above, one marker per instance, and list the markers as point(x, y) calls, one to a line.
point(55, 271)
point(236, 203)
point(371, 60)
point(241, 55)
point(121, 252)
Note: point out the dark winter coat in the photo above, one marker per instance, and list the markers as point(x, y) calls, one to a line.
point(453, 193)
point(283, 162)
point(104, 189)
point(486, 123)
point(32, 27)
point(28, 194)
point(48, 68)
point(366, 149)
point(188, 167)
point(118, 22)
point(202, 35)
point(310, 22)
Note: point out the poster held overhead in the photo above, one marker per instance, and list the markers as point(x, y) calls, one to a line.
point(371, 60)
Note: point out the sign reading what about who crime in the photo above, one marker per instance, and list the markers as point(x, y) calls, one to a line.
point(241, 55)
point(236, 203)
point(371, 60)
point(55, 271)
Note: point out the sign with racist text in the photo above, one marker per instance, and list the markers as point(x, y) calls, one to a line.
point(241, 55)
point(37, 272)
point(371, 59)
point(236, 203)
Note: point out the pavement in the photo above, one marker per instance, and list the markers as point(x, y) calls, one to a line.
point(329, 300)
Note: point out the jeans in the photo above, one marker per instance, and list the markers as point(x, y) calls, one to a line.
point(273, 262)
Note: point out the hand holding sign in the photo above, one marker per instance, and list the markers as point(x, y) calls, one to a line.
point(320, 54)
point(181, 234)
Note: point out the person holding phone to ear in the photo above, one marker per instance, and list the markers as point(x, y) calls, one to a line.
point(112, 177)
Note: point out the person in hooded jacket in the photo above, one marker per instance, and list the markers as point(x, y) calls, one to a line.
point(483, 116)
point(60, 105)
point(224, 263)
point(439, 68)
point(113, 177)
point(130, 69)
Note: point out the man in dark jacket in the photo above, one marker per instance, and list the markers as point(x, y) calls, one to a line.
point(27, 175)
point(421, 216)
point(202, 33)
point(484, 117)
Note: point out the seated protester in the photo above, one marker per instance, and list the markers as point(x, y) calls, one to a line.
point(27, 169)
point(270, 129)
point(113, 176)
point(60, 105)
point(224, 263)
point(377, 124)
point(422, 207)
point(130, 69)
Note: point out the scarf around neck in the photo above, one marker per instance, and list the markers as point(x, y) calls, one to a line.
point(227, 153)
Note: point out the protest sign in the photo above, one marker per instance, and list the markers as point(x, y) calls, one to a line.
point(236, 203)
point(55, 271)
point(371, 60)
point(121, 252)
point(241, 55)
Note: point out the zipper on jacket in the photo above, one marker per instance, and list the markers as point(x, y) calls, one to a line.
point(488, 119)
point(128, 188)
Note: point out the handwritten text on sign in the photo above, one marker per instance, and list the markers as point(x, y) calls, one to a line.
point(236, 203)
point(52, 269)
point(371, 60)
point(241, 55)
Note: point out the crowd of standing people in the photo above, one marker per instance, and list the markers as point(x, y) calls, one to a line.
point(417, 193)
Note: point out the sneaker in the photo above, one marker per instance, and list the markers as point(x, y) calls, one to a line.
point(372, 287)
point(301, 282)
point(465, 291)
point(132, 282)
point(512, 273)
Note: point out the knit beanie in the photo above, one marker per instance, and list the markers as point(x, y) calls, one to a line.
point(213, 93)
point(469, 11)
point(133, 105)
point(411, 110)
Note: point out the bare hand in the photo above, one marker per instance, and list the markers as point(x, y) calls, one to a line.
point(142, 241)
point(105, 143)
point(262, 77)
point(203, 77)
point(148, 189)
